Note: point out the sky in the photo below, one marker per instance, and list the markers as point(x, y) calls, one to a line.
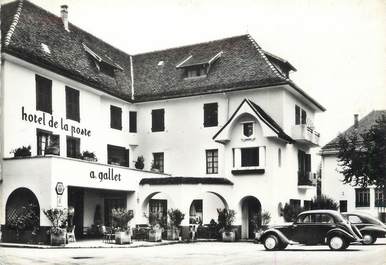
point(338, 47)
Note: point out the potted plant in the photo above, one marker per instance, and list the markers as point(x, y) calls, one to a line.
point(176, 217)
point(23, 151)
point(121, 217)
point(140, 163)
point(58, 230)
point(89, 156)
point(226, 217)
point(260, 223)
point(155, 232)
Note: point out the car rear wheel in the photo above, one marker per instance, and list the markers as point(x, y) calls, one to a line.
point(368, 239)
point(271, 242)
point(337, 243)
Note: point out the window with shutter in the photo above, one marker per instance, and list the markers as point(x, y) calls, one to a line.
point(43, 94)
point(117, 155)
point(133, 121)
point(158, 161)
point(212, 161)
point(115, 117)
point(72, 104)
point(210, 115)
point(157, 120)
point(297, 115)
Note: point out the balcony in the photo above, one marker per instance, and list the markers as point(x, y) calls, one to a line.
point(305, 134)
point(306, 180)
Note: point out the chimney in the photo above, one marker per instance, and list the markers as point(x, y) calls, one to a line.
point(356, 120)
point(64, 15)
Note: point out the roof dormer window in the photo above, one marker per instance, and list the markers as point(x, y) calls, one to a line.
point(198, 65)
point(103, 62)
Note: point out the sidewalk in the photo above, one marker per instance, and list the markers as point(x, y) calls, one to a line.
point(98, 243)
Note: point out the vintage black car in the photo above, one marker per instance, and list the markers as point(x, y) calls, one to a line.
point(313, 228)
point(370, 227)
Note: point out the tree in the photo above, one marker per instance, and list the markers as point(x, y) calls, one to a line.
point(362, 157)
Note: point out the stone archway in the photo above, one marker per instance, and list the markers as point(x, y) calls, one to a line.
point(250, 216)
point(159, 203)
point(22, 202)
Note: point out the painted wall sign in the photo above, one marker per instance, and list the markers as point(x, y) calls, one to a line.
point(48, 120)
point(59, 188)
point(103, 176)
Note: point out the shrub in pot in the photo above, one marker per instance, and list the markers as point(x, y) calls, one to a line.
point(291, 211)
point(226, 217)
point(176, 217)
point(89, 156)
point(121, 217)
point(140, 163)
point(155, 232)
point(58, 230)
point(260, 223)
point(23, 151)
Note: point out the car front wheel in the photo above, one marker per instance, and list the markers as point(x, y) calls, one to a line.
point(271, 242)
point(337, 243)
point(368, 239)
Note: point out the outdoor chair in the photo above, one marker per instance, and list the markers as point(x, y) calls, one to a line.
point(108, 235)
point(71, 235)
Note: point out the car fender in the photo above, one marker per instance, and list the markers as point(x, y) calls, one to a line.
point(340, 232)
point(276, 232)
point(372, 229)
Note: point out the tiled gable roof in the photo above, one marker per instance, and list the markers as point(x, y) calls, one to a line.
point(67, 56)
point(28, 31)
point(240, 66)
point(364, 125)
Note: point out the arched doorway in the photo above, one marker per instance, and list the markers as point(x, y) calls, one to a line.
point(22, 202)
point(158, 203)
point(250, 215)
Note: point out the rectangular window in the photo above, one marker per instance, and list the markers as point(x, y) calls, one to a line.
point(210, 115)
point(307, 205)
point(362, 197)
point(73, 147)
point(158, 161)
point(133, 121)
point(157, 120)
point(343, 206)
point(117, 155)
point(196, 212)
point(115, 117)
point(250, 157)
point(295, 203)
point(304, 162)
point(72, 104)
point(212, 161)
point(300, 115)
point(47, 143)
point(159, 208)
point(43, 94)
point(379, 198)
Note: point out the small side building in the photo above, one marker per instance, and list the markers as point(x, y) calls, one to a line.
point(350, 198)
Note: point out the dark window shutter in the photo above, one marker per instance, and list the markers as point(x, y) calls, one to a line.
point(115, 117)
point(72, 104)
point(43, 94)
point(308, 163)
point(133, 121)
point(304, 117)
point(210, 114)
point(158, 120)
point(297, 115)
point(127, 157)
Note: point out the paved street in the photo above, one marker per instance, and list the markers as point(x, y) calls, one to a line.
point(242, 253)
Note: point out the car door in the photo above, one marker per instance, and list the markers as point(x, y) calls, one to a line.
point(301, 228)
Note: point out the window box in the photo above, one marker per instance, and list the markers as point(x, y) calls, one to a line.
point(248, 171)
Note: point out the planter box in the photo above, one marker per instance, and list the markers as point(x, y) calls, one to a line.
point(58, 238)
point(173, 234)
point(123, 237)
point(155, 235)
point(228, 236)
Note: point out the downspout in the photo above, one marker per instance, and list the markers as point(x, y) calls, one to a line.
point(132, 77)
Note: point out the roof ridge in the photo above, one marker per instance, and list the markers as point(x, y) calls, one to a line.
point(14, 23)
point(261, 52)
point(188, 45)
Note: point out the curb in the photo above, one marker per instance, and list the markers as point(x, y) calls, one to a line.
point(16, 245)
